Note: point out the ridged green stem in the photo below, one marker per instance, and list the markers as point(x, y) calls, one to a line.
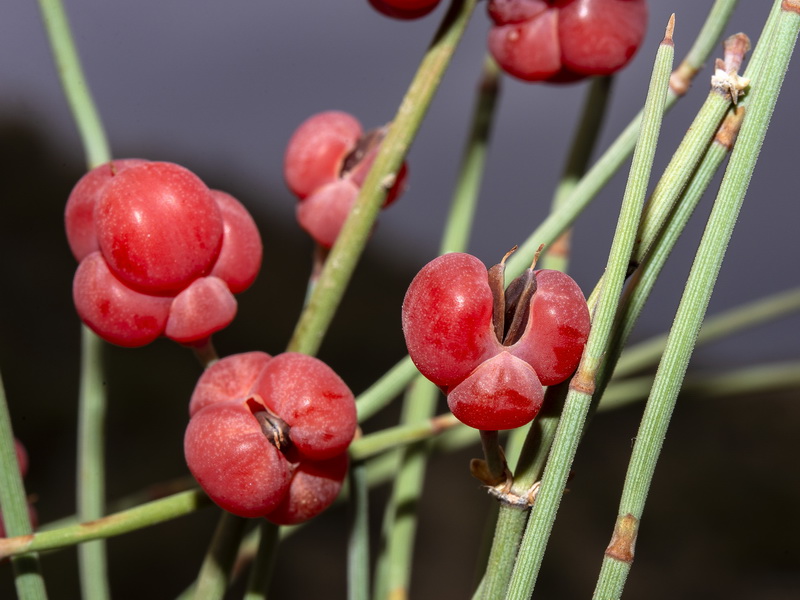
point(766, 86)
point(579, 398)
point(215, 572)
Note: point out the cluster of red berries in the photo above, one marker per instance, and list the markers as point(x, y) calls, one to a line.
point(268, 436)
point(159, 252)
point(327, 159)
point(552, 40)
point(22, 461)
point(491, 350)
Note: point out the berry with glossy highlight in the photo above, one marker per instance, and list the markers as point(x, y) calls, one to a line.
point(491, 350)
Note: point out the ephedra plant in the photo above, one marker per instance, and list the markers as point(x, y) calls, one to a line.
point(522, 358)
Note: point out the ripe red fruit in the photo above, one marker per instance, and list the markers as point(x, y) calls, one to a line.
point(565, 40)
point(160, 253)
point(404, 9)
point(268, 436)
point(491, 350)
point(327, 159)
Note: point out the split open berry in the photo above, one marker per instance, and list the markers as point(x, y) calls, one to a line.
point(404, 9)
point(565, 40)
point(326, 162)
point(159, 253)
point(492, 349)
point(268, 436)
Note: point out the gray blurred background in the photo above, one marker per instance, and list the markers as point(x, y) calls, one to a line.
point(219, 88)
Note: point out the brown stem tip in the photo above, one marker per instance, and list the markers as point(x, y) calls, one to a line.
point(670, 29)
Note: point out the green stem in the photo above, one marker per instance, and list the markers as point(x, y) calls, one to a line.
point(264, 562)
point(386, 389)
point(583, 144)
point(215, 572)
point(462, 210)
point(358, 546)
point(393, 571)
point(126, 521)
point(576, 407)
point(91, 464)
point(344, 255)
point(616, 154)
point(76, 89)
point(14, 510)
point(694, 302)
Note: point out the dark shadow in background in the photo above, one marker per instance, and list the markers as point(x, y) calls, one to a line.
point(721, 521)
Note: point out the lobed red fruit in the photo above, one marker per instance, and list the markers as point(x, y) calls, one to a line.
point(326, 161)
point(160, 253)
point(491, 351)
point(565, 40)
point(404, 9)
point(268, 436)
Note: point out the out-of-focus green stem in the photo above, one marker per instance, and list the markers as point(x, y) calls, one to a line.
point(462, 210)
point(215, 572)
point(264, 562)
point(358, 545)
point(344, 255)
point(91, 463)
point(76, 89)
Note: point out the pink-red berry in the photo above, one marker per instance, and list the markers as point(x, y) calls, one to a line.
point(268, 436)
point(160, 253)
point(565, 40)
point(491, 350)
point(326, 162)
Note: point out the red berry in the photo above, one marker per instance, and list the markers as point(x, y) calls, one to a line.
point(326, 162)
point(79, 213)
point(203, 308)
point(147, 234)
point(313, 401)
point(565, 40)
point(229, 378)
point(115, 312)
point(240, 257)
point(233, 461)
point(268, 436)
point(491, 350)
point(159, 227)
point(404, 9)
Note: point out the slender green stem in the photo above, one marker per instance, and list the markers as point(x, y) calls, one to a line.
point(757, 379)
point(344, 255)
point(393, 572)
point(215, 572)
point(91, 464)
point(264, 562)
point(76, 89)
point(14, 510)
point(386, 389)
point(616, 154)
point(761, 310)
point(126, 521)
point(680, 343)
point(576, 407)
point(400, 435)
point(583, 144)
point(462, 211)
point(358, 546)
